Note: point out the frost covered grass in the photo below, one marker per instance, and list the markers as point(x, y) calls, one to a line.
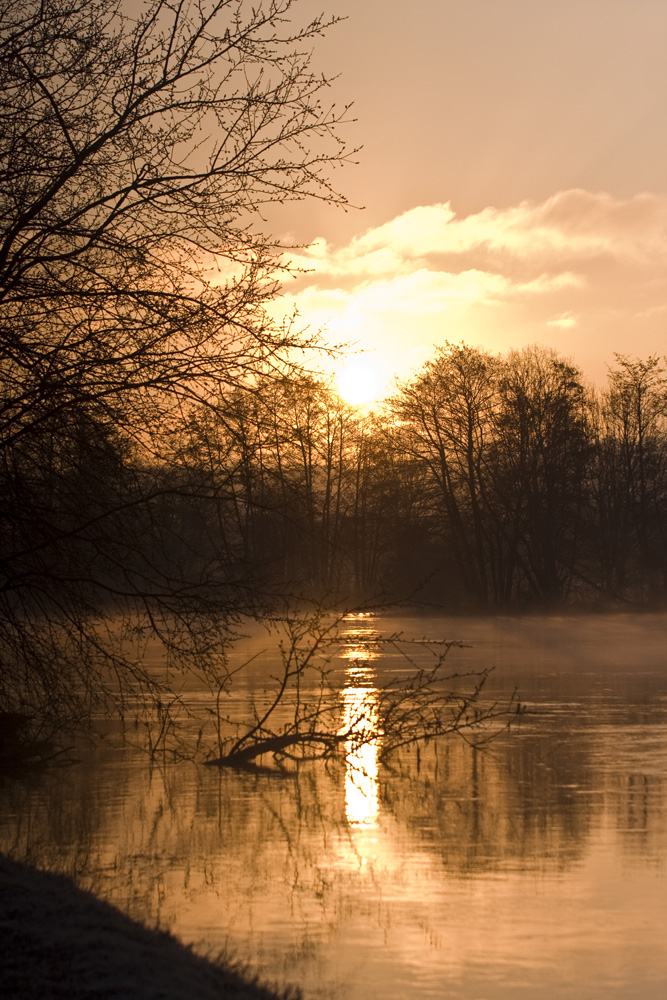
point(58, 942)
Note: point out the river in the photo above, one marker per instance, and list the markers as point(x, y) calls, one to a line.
point(534, 866)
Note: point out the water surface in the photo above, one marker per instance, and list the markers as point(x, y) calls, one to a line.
point(535, 866)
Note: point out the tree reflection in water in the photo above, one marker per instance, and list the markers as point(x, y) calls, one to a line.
point(532, 868)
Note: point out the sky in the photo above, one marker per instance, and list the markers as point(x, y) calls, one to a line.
point(513, 178)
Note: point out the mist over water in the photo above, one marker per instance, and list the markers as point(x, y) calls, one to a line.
point(535, 866)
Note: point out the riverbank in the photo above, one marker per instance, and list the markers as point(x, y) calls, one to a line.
point(58, 942)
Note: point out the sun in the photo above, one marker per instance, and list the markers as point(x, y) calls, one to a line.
point(359, 382)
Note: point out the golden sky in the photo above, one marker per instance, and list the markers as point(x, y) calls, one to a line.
point(514, 178)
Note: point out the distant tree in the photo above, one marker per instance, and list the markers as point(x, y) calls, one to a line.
point(631, 460)
point(278, 459)
point(136, 152)
point(380, 513)
point(607, 548)
point(503, 441)
point(539, 464)
point(449, 409)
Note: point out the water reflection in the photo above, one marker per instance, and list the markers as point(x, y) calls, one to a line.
point(360, 721)
point(537, 868)
point(360, 638)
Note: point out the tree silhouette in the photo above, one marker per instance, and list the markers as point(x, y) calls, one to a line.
point(136, 153)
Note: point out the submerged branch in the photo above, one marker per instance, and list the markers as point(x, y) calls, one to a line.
point(420, 704)
point(278, 745)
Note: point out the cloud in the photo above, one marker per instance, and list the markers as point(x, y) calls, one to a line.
point(581, 271)
point(566, 320)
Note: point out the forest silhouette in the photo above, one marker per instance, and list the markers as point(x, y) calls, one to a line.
point(486, 482)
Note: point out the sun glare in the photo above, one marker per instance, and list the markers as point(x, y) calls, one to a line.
point(359, 382)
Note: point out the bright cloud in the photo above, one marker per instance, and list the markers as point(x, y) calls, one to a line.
point(582, 272)
point(566, 320)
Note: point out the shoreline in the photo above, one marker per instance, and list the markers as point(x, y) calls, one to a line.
point(59, 942)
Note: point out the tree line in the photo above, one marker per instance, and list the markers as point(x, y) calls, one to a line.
point(485, 482)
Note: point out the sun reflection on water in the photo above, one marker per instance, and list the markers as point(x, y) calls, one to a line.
point(360, 721)
point(360, 640)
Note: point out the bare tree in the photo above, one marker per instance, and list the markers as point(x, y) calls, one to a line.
point(136, 154)
point(629, 479)
point(503, 443)
point(539, 467)
point(449, 408)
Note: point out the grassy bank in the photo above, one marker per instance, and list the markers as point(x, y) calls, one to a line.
point(58, 942)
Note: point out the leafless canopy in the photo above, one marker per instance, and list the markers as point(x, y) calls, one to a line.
point(139, 144)
point(135, 153)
